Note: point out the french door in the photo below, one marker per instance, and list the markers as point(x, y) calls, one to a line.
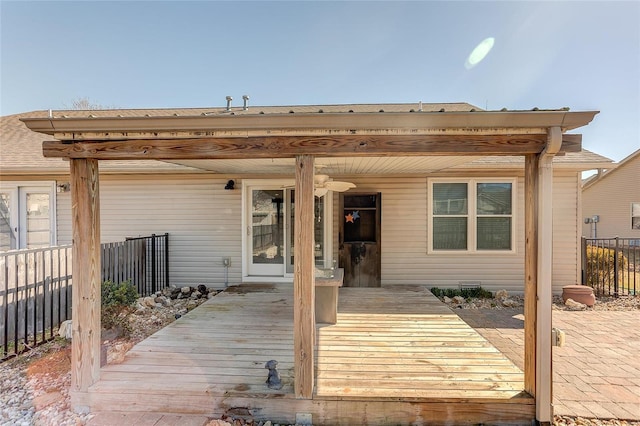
point(27, 215)
point(270, 232)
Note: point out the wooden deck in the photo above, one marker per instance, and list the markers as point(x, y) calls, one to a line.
point(396, 356)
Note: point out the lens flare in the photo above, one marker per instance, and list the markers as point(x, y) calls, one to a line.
point(479, 53)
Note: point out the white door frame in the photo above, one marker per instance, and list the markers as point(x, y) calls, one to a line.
point(247, 186)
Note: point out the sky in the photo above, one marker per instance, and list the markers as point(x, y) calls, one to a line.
point(151, 54)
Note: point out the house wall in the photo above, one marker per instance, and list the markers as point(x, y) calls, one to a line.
point(405, 238)
point(204, 223)
point(611, 199)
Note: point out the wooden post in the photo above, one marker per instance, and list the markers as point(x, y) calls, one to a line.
point(304, 323)
point(530, 271)
point(544, 359)
point(85, 347)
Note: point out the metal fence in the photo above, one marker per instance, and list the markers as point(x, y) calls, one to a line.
point(611, 265)
point(143, 260)
point(35, 296)
point(36, 285)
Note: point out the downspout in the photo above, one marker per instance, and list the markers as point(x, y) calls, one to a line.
point(544, 367)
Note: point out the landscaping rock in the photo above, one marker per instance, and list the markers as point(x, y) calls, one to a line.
point(458, 299)
point(501, 294)
point(572, 305)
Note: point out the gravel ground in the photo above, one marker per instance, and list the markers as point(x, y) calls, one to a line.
point(34, 387)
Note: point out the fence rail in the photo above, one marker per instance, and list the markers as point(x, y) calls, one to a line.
point(35, 296)
point(143, 260)
point(611, 265)
point(36, 285)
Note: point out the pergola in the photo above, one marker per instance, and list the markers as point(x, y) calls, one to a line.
point(536, 135)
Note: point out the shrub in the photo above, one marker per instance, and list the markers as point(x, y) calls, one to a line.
point(467, 293)
point(600, 272)
point(117, 304)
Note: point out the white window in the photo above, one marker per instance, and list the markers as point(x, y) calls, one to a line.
point(471, 215)
point(27, 215)
point(635, 215)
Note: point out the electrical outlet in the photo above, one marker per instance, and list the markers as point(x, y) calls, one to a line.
point(226, 261)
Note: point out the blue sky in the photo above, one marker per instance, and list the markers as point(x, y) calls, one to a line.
point(583, 55)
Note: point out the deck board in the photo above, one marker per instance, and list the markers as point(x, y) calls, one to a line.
point(389, 346)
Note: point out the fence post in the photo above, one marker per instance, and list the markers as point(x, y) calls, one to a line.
point(584, 260)
point(153, 263)
point(166, 259)
point(615, 268)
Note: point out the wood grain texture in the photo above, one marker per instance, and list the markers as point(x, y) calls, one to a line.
point(304, 279)
point(292, 146)
point(530, 271)
point(85, 347)
point(397, 355)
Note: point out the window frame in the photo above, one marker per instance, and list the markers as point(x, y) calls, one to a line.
point(472, 215)
point(631, 205)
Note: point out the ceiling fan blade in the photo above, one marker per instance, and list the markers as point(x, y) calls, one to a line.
point(338, 186)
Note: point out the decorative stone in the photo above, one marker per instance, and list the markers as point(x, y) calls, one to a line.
point(575, 306)
point(202, 289)
point(65, 330)
point(447, 299)
point(458, 299)
point(501, 294)
point(149, 302)
point(185, 290)
point(579, 293)
point(509, 303)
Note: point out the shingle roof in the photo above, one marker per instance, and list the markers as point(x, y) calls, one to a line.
point(21, 153)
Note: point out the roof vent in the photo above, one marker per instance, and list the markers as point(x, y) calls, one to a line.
point(229, 99)
point(245, 99)
point(420, 106)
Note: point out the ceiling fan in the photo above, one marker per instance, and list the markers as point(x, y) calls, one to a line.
point(324, 184)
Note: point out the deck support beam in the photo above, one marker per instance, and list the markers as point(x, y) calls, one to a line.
point(544, 359)
point(85, 346)
point(530, 271)
point(304, 323)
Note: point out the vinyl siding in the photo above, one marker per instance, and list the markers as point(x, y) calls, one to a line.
point(204, 222)
point(405, 259)
point(611, 199)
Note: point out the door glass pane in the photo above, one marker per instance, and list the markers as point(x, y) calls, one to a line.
point(449, 233)
point(7, 234)
point(318, 229)
point(38, 220)
point(268, 226)
point(450, 198)
point(494, 198)
point(494, 233)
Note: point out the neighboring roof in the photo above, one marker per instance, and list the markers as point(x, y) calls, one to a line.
point(634, 156)
point(21, 153)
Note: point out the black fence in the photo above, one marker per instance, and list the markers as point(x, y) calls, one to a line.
point(144, 261)
point(36, 286)
point(35, 297)
point(611, 266)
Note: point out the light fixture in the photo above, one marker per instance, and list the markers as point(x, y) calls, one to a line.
point(63, 187)
point(230, 185)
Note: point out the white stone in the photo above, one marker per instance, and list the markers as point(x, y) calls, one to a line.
point(509, 303)
point(149, 302)
point(66, 330)
point(185, 290)
point(447, 299)
point(575, 306)
point(501, 294)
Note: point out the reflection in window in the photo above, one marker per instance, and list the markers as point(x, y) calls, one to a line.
point(8, 239)
point(38, 220)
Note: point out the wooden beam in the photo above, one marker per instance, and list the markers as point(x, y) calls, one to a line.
point(304, 280)
point(544, 359)
point(530, 271)
point(85, 346)
point(292, 146)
